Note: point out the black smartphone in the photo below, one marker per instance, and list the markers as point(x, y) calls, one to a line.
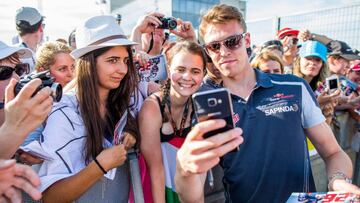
point(214, 104)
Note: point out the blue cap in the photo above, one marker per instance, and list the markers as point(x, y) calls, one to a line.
point(313, 48)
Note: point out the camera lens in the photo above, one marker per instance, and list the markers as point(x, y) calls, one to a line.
point(212, 102)
point(56, 92)
point(172, 24)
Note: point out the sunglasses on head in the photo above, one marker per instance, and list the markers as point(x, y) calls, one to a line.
point(20, 69)
point(232, 43)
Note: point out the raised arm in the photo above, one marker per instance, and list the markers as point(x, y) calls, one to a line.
point(23, 114)
point(145, 24)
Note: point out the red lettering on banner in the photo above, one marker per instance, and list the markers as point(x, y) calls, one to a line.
point(341, 197)
point(328, 198)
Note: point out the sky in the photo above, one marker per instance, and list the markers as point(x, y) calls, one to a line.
point(63, 16)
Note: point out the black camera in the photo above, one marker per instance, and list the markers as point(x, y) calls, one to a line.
point(47, 81)
point(167, 23)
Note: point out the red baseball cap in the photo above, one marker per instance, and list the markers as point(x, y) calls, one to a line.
point(355, 67)
point(287, 32)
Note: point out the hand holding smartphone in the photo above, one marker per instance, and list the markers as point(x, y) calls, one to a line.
point(214, 104)
point(332, 83)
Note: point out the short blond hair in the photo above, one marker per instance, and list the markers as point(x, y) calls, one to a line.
point(45, 56)
point(264, 57)
point(221, 14)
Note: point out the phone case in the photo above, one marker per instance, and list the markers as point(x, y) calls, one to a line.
point(214, 104)
point(332, 83)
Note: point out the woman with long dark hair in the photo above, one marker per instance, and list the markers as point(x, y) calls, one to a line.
point(88, 132)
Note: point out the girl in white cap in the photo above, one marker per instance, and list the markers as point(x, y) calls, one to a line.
point(88, 132)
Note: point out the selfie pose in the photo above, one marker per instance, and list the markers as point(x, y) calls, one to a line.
point(87, 158)
point(170, 111)
point(273, 115)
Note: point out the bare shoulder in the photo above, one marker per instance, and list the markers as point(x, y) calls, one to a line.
point(150, 109)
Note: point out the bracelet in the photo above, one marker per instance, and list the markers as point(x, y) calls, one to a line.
point(337, 175)
point(102, 169)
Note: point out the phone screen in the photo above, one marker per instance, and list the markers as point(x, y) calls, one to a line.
point(214, 104)
point(333, 84)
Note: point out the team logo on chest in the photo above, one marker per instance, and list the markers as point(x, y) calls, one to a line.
point(281, 109)
point(278, 104)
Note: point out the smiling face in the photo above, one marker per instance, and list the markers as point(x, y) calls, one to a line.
point(186, 73)
point(111, 67)
point(310, 66)
point(229, 62)
point(63, 68)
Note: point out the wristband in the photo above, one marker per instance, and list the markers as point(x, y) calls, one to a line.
point(337, 175)
point(102, 169)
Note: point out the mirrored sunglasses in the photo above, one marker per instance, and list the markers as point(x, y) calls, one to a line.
point(231, 43)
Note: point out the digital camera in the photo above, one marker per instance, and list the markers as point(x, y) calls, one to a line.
point(167, 23)
point(47, 81)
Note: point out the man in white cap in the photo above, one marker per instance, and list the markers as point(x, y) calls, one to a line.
point(24, 113)
point(10, 68)
point(30, 27)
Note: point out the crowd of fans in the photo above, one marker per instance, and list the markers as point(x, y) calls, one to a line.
point(283, 93)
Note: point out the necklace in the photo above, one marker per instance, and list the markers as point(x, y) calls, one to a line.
point(183, 119)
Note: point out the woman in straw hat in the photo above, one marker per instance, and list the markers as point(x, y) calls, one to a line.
point(86, 157)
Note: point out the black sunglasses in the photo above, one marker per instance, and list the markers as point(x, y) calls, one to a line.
point(232, 43)
point(20, 69)
point(294, 40)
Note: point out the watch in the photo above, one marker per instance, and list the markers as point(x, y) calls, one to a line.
point(338, 175)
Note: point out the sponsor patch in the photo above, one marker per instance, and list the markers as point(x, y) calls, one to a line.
point(235, 118)
point(277, 107)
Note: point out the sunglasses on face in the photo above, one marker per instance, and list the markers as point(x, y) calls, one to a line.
point(294, 40)
point(20, 69)
point(231, 43)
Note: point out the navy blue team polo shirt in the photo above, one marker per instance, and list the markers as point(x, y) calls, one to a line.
point(273, 160)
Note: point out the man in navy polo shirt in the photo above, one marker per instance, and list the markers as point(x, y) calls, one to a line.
point(272, 113)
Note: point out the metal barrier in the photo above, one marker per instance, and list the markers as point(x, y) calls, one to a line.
point(341, 23)
point(344, 131)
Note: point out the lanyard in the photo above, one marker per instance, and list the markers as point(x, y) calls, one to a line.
point(183, 119)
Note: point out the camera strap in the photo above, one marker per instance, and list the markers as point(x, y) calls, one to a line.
point(151, 42)
point(183, 119)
